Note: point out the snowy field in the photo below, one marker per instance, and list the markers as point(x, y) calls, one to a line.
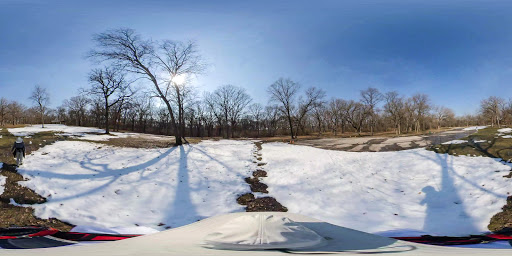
point(2, 181)
point(409, 192)
point(30, 130)
point(388, 191)
point(96, 185)
point(78, 132)
point(474, 128)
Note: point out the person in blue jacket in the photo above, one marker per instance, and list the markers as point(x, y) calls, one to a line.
point(18, 151)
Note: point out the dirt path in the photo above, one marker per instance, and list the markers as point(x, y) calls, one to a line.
point(382, 144)
point(260, 204)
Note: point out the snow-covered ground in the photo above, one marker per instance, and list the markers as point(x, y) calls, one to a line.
point(455, 142)
point(79, 132)
point(474, 128)
point(107, 187)
point(505, 130)
point(99, 187)
point(2, 181)
point(30, 130)
point(385, 191)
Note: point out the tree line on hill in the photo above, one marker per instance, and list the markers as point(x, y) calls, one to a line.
point(145, 86)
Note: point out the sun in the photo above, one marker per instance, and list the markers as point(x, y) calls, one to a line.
point(179, 79)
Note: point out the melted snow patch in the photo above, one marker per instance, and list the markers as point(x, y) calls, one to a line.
point(70, 130)
point(2, 182)
point(505, 130)
point(455, 142)
point(473, 128)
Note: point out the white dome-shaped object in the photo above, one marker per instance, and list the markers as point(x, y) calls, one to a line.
point(260, 232)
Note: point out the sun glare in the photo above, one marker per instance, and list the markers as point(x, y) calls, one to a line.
point(179, 79)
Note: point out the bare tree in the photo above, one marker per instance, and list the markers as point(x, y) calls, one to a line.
point(314, 97)
point(320, 114)
point(41, 98)
point(492, 108)
point(370, 98)
point(442, 114)
point(256, 112)
point(3, 110)
point(421, 107)
point(77, 106)
point(112, 86)
point(336, 113)
point(271, 119)
point(395, 108)
point(127, 49)
point(284, 92)
point(229, 102)
point(15, 111)
point(355, 113)
point(180, 61)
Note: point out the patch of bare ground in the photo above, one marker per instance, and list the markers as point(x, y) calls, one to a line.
point(12, 215)
point(281, 138)
point(138, 143)
point(265, 204)
point(256, 185)
point(392, 147)
point(142, 141)
point(502, 221)
point(262, 204)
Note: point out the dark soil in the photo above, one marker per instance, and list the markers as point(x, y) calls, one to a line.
point(265, 204)
point(256, 185)
point(502, 220)
point(366, 147)
point(11, 215)
point(259, 173)
point(245, 198)
point(392, 147)
point(18, 193)
point(138, 142)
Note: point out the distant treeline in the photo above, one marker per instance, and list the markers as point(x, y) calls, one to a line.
point(216, 114)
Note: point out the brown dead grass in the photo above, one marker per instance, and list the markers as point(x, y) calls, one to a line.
point(11, 215)
point(283, 138)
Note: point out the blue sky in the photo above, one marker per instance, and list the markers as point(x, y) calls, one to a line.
point(458, 52)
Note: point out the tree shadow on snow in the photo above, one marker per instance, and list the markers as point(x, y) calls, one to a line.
point(182, 204)
point(101, 171)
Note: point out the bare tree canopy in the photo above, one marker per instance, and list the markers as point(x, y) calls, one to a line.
point(111, 85)
point(492, 109)
point(41, 98)
point(395, 109)
point(149, 59)
point(284, 92)
point(256, 113)
point(370, 98)
point(77, 107)
point(228, 102)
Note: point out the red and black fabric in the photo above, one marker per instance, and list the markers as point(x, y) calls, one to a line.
point(23, 232)
point(34, 242)
point(449, 240)
point(78, 236)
